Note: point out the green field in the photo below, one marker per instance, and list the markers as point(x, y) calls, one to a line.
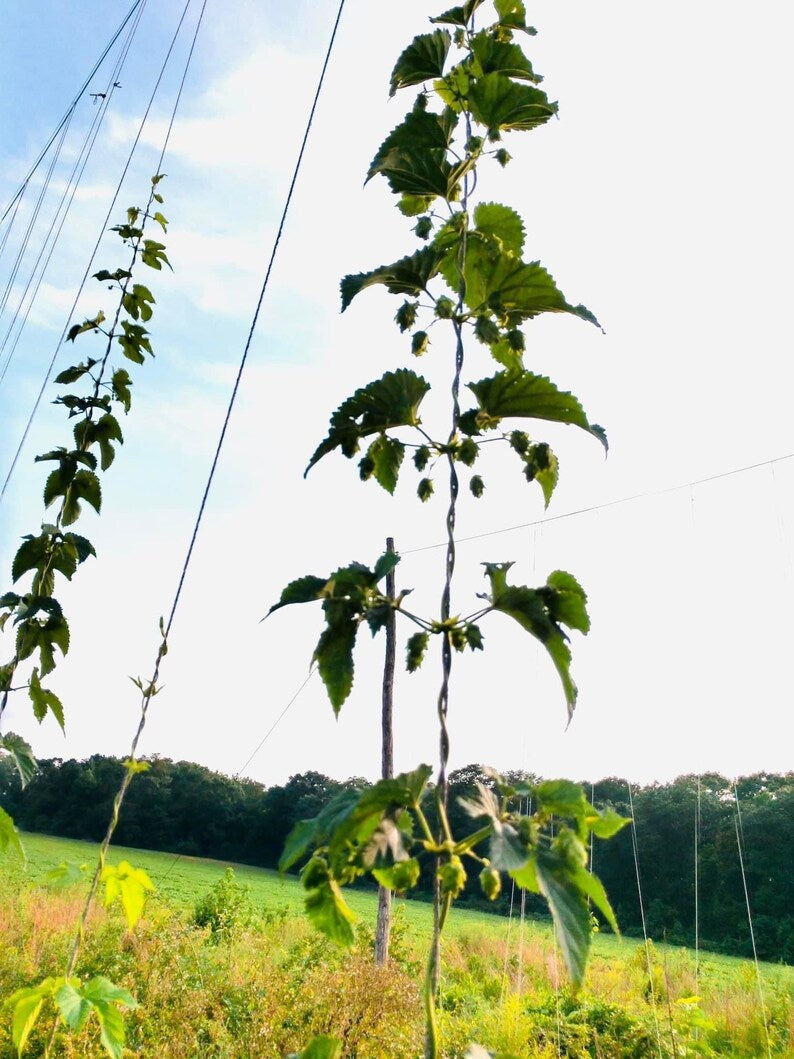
point(277, 983)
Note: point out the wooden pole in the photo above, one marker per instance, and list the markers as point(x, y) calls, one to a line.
point(383, 928)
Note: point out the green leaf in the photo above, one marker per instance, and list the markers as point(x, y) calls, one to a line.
point(85, 486)
point(513, 15)
point(22, 756)
point(542, 612)
point(73, 1006)
point(541, 466)
point(134, 341)
point(593, 889)
point(569, 911)
point(80, 546)
point(138, 301)
point(521, 394)
point(387, 456)
point(458, 16)
point(494, 56)
point(567, 602)
point(391, 401)
point(74, 373)
point(153, 254)
point(561, 798)
point(101, 432)
point(416, 649)
point(385, 564)
point(500, 280)
point(66, 874)
point(9, 836)
point(501, 224)
point(129, 886)
point(105, 999)
point(606, 823)
point(86, 325)
point(501, 104)
point(403, 875)
point(422, 59)
point(328, 911)
point(120, 384)
point(322, 1047)
point(334, 658)
point(413, 159)
point(32, 553)
point(44, 700)
point(410, 275)
point(303, 590)
point(26, 1005)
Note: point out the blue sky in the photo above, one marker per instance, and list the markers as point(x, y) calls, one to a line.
point(660, 199)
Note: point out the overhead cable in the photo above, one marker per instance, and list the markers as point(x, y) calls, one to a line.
point(20, 190)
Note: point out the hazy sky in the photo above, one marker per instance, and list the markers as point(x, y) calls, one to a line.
point(661, 199)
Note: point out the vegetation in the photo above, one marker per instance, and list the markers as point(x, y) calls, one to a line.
point(470, 285)
point(269, 985)
point(188, 809)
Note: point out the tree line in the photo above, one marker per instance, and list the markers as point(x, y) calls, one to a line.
point(186, 808)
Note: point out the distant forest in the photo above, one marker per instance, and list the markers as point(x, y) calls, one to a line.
point(185, 808)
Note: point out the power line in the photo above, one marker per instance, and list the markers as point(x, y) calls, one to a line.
point(604, 506)
point(275, 723)
point(69, 110)
point(67, 198)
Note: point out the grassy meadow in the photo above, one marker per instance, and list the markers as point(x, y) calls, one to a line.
point(263, 983)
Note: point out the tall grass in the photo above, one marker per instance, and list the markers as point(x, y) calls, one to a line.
point(267, 984)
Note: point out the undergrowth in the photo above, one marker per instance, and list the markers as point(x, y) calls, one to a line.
point(261, 983)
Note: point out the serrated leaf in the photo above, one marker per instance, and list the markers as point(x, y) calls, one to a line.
point(540, 611)
point(501, 104)
point(44, 700)
point(501, 224)
point(84, 486)
point(561, 798)
point(422, 59)
point(569, 911)
point(74, 1008)
point(606, 823)
point(494, 56)
point(568, 601)
point(391, 401)
point(521, 394)
point(303, 590)
point(513, 15)
point(22, 756)
point(458, 16)
point(541, 466)
point(9, 836)
point(334, 658)
point(409, 275)
point(387, 457)
point(505, 283)
point(30, 555)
